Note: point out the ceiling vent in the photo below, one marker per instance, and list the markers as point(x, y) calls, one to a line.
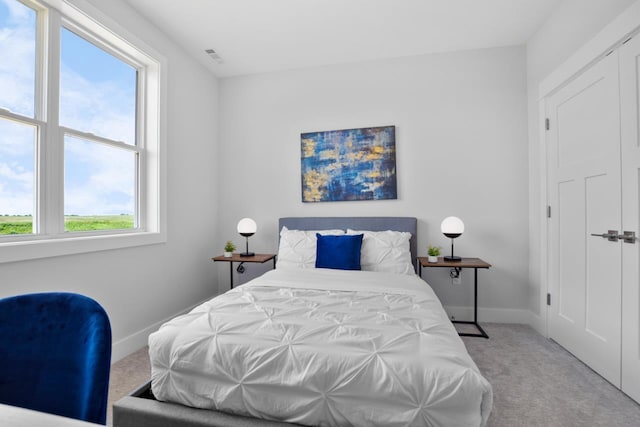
point(214, 55)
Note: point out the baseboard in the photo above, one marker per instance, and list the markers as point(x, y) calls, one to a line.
point(134, 342)
point(538, 323)
point(493, 315)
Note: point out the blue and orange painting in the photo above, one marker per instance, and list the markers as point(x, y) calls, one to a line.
point(349, 164)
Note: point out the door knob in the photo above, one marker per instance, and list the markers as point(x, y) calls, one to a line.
point(611, 235)
point(628, 236)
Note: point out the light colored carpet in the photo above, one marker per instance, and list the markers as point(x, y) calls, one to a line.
point(535, 382)
point(126, 375)
point(538, 383)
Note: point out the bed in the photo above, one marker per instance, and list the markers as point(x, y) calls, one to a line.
point(337, 345)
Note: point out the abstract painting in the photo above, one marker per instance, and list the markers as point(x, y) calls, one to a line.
point(349, 164)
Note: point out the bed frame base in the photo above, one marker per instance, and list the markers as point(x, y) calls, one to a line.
point(141, 409)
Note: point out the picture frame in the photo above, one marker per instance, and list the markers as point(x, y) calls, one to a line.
point(349, 164)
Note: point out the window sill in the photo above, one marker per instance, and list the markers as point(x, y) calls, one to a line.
point(46, 248)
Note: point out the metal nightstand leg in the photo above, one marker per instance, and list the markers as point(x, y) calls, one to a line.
point(482, 333)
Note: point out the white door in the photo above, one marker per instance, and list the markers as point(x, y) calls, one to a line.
point(629, 101)
point(583, 168)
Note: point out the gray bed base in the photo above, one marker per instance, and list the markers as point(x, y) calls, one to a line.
point(141, 409)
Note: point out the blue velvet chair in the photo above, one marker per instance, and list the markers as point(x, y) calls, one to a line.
point(55, 355)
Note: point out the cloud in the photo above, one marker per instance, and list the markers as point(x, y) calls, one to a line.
point(16, 139)
point(17, 11)
point(102, 108)
point(18, 204)
point(17, 173)
point(107, 186)
point(16, 189)
point(17, 151)
point(17, 41)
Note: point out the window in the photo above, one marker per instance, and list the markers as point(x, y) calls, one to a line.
point(80, 145)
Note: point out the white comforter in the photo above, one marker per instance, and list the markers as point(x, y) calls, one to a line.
point(322, 347)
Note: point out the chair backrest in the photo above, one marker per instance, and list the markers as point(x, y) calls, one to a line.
point(55, 354)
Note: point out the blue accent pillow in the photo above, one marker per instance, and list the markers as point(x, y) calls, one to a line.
point(338, 252)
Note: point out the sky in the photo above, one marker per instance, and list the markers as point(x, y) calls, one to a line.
point(97, 95)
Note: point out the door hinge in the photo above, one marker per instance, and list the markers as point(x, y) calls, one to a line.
point(548, 211)
point(546, 124)
point(548, 299)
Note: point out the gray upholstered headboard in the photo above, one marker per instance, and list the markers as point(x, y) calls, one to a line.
point(372, 223)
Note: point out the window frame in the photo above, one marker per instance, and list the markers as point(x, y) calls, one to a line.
point(49, 237)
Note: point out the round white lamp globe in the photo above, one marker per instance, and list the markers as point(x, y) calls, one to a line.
point(247, 227)
point(452, 226)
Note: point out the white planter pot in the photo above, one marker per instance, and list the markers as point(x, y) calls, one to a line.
point(228, 254)
point(432, 258)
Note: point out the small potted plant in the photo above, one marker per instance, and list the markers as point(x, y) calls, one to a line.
point(228, 249)
point(434, 252)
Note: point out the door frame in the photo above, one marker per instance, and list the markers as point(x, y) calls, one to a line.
point(612, 36)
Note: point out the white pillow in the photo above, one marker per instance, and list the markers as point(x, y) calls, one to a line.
point(297, 248)
point(388, 251)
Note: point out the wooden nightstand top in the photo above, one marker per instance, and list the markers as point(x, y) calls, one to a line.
point(465, 263)
point(260, 258)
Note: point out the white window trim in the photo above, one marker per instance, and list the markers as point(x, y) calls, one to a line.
point(152, 188)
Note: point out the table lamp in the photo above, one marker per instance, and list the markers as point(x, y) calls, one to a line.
point(247, 227)
point(452, 227)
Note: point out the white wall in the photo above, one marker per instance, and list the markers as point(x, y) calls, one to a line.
point(141, 286)
point(570, 26)
point(461, 144)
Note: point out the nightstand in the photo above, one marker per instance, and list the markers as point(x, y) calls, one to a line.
point(257, 258)
point(474, 263)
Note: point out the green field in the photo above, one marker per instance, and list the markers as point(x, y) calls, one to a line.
point(23, 224)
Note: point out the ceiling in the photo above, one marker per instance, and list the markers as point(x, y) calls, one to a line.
point(257, 36)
